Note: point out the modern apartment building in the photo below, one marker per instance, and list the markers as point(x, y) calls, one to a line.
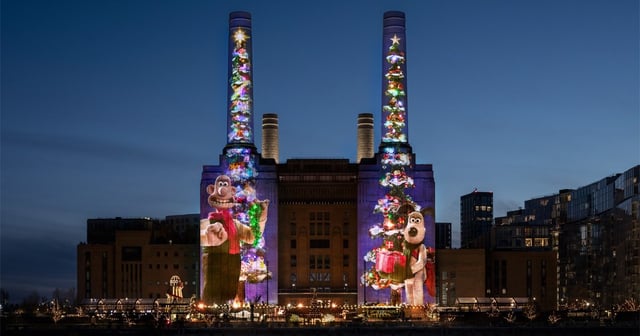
point(476, 219)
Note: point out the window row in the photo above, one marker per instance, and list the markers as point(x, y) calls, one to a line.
point(175, 266)
point(175, 254)
point(319, 261)
point(318, 229)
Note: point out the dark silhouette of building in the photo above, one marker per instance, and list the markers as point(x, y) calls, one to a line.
point(460, 274)
point(137, 257)
point(476, 218)
point(443, 235)
point(581, 245)
point(599, 242)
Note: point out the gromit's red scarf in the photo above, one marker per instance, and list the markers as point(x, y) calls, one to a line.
point(229, 226)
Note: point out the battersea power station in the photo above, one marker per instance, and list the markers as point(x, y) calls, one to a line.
point(317, 228)
point(285, 232)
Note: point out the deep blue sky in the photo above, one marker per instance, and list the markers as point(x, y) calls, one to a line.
point(110, 108)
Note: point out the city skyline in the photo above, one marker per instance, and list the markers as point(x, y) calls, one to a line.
point(112, 109)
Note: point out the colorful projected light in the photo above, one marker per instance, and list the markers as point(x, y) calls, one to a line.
point(240, 98)
point(241, 169)
point(389, 261)
point(233, 219)
point(395, 116)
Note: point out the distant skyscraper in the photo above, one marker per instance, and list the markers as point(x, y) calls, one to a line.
point(476, 218)
point(270, 137)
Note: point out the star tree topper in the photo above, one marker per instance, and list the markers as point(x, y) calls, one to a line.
point(395, 39)
point(239, 36)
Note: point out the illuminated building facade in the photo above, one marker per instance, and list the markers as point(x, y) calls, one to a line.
point(332, 226)
point(318, 231)
point(396, 196)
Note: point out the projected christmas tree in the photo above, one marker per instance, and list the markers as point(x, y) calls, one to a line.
point(242, 172)
point(394, 109)
point(240, 100)
point(400, 260)
point(389, 260)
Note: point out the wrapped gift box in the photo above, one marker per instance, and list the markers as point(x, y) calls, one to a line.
point(391, 265)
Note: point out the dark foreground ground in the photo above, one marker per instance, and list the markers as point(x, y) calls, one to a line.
point(340, 330)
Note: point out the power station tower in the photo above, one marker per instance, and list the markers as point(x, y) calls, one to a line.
point(270, 136)
point(395, 131)
point(365, 136)
point(406, 194)
point(232, 217)
point(240, 91)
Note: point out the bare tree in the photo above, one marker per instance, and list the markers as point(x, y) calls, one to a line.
point(554, 318)
point(530, 311)
point(57, 313)
point(511, 317)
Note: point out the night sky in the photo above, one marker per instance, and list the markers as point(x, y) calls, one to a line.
point(111, 108)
